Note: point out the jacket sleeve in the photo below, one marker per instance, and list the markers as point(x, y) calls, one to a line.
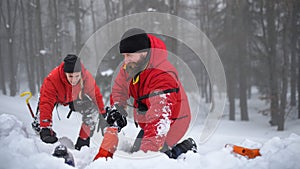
point(92, 89)
point(47, 102)
point(120, 89)
point(158, 117)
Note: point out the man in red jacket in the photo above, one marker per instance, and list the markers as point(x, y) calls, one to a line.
point(161, 107)
point(69, 84)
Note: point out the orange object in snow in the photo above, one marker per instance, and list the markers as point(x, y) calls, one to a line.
point(250, 153)
point(109, 143)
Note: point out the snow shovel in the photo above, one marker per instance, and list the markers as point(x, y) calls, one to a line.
point(35, 124)
point(247, 152)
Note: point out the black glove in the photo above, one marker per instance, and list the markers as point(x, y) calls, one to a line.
point(116, 116)
point(81, 105)
point(48, 135)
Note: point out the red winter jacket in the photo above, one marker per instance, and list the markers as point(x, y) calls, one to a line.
point(168, 115)
point(56, 89)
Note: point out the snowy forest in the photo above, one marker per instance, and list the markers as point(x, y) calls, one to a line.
point(258, 42)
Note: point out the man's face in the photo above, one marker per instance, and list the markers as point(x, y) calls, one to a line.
point(133, 61)
point(73, 78)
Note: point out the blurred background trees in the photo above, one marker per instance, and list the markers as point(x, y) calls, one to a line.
point(258, 42)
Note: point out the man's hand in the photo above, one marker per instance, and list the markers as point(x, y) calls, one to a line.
point(116, 116)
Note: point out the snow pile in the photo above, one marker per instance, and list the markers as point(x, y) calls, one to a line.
point(282, 153)
point(22, 150)
point(19, 150)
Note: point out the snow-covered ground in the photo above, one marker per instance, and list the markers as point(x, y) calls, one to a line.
point(22, 148)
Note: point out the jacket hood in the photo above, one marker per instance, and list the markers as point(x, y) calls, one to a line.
point(158, 51)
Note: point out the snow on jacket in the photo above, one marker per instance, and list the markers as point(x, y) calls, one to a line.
point(168, 115)
point(57, 90)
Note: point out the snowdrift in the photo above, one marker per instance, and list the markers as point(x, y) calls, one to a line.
point(22, 149)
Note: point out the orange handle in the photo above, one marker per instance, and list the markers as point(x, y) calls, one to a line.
point(250, 153)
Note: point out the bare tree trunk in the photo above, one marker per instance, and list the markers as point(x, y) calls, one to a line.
point(243, 93)
point(204, 26)
point(10, 40)
point(94, 31)
point(230, 56)
point(77, 26)
point(201, 82)
point(283, 96)
point(206, 85)
point(241, 43)
point(31, 57)
point(298, 88)
point(59, 16)
point(2, 64)
point(293, 32)
point(207, 28)
point(54, 32)
point(293, 71)
point(272, 41)
point(28, 61)
point(173, 9)
point(284, 82)
point(231, 98)
point(58, 42)
point(2, 75)
point(93, 16)
point(41, 62)
point(249, 87)
point(108, 10)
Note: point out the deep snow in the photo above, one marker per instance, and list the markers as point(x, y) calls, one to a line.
point(22, 148)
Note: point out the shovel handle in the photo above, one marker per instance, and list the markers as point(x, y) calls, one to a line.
point(27, 101)
point(26, 93)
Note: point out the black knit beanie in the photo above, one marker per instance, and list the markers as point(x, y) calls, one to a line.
point(134, 40)
point(72, 64)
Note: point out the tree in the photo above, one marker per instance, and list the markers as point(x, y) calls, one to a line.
point(32, 64)
point(27, 51)
point(228, 56)
point(294, 7)
point(2, 77)
point(296, 48)
point(210, 20)
point(9, 24)
point(241, 43)
point(2, 80)
point(40, 40)
point(298, 88)
point(271, 41)
point(54, 41)
point(284, 74)
point(77, 26)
